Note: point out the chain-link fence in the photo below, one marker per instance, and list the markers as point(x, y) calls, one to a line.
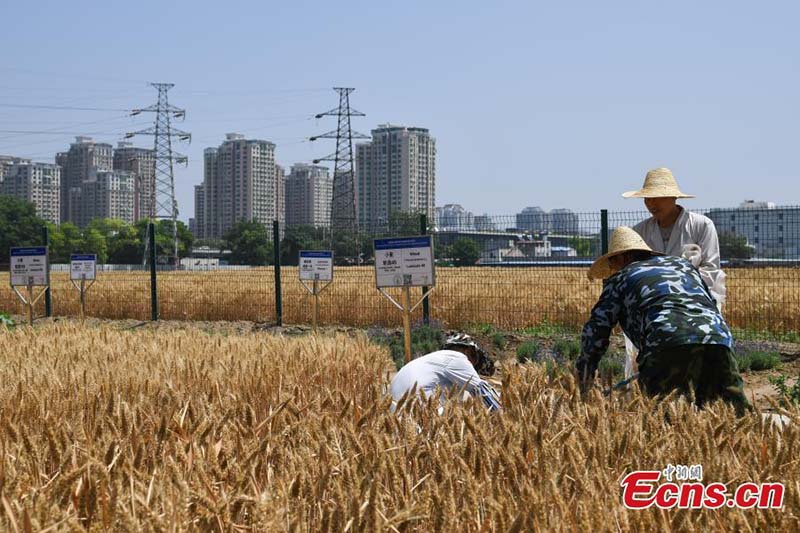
point(519, 271)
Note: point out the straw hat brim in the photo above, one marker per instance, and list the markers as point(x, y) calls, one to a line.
point(644, 193)
point(601, 269)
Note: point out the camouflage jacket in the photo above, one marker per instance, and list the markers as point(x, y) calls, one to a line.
point(658, 302)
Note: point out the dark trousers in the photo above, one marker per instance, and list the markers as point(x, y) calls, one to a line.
point(706, 371)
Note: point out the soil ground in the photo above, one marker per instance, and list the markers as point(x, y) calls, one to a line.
point(756, 383)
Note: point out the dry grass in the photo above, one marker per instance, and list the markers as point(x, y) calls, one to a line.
point(759, 299)
point(180, 430)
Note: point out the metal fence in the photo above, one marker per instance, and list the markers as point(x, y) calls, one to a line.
point(518, 271)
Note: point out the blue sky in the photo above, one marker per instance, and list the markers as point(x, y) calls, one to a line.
point(555, 104)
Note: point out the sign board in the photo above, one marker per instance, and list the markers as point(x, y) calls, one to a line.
point(83, 266)
point(29, 265)
point(316, 265)
point(404, 262)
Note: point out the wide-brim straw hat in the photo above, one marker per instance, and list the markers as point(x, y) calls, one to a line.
point(659, 183)
point(624, 239)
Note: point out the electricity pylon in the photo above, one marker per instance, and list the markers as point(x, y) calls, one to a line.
point(163, 190)
point(343, 203)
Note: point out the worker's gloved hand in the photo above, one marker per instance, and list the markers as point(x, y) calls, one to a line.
point(586, 368)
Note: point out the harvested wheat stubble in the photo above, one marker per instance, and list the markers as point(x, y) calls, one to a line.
point(182, 430)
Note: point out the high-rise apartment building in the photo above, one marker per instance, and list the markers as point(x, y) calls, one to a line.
point(395, 172)
point(7, 161)
point(38, 183)
point(84, 158)
point(140, 162)
point(280, 196)
point(199, 212)
point(309, 192)
point(240, 183)
point(107, 194)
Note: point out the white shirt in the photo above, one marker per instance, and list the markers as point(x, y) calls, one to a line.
point(689, 228)
point(444, 369)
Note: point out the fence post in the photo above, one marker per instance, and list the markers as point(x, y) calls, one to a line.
point(603, 231)
point(151, 236)
point(48, 302)
point(426, 307)
point(276, 246)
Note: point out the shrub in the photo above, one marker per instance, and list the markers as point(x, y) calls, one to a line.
point(6, 321)
point(612, 368)
point(499, 340)
point(527, 351)
point(765, 360)
point(787, 395)
point(567, 348)
point(755, 361)
point(483, 329)
point(424, 339)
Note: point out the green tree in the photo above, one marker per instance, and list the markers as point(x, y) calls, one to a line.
point(68, 239)
point(348, 246)
point(65, 240)
point(298, 238)
point(165, 244)
point(733, 246)
point(250, 244)
point(95, 243)
point(107, 227)
point(19, 225)
point(581, 245)
point(402, 223)
point(465, 252)
point(125, 247)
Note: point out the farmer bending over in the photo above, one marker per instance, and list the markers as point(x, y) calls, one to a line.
point(456, 365)
point(667, 311)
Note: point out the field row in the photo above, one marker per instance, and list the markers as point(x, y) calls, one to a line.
point(764, 299)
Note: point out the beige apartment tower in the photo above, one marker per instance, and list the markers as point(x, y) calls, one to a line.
point(395, 172)
point(37, 183)
point(309, 191)
point(240, 183)
point(84, 158)
point(142, 164)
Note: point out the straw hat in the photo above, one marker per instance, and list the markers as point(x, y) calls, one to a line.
point(623, 240)
point(659, 183)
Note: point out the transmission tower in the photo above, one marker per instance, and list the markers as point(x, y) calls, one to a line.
point(165, 207)
point(343, 204)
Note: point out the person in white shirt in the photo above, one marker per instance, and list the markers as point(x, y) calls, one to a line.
point(672, 230)
point(452, 367)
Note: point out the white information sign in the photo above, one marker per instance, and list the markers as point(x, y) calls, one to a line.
point(404, 262)
point(29, 265)
point(316, 265)
point(82, 266)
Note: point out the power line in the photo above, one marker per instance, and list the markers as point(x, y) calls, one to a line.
point(68, 108)
point(52, 132)
point(75, 124)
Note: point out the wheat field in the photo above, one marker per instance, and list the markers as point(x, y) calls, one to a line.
point(765, 299)
point(158, 430)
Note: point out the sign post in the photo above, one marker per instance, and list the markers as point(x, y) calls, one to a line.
point(29, 268)
point(82, 268)
point(316, 266)
point(405, 262)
